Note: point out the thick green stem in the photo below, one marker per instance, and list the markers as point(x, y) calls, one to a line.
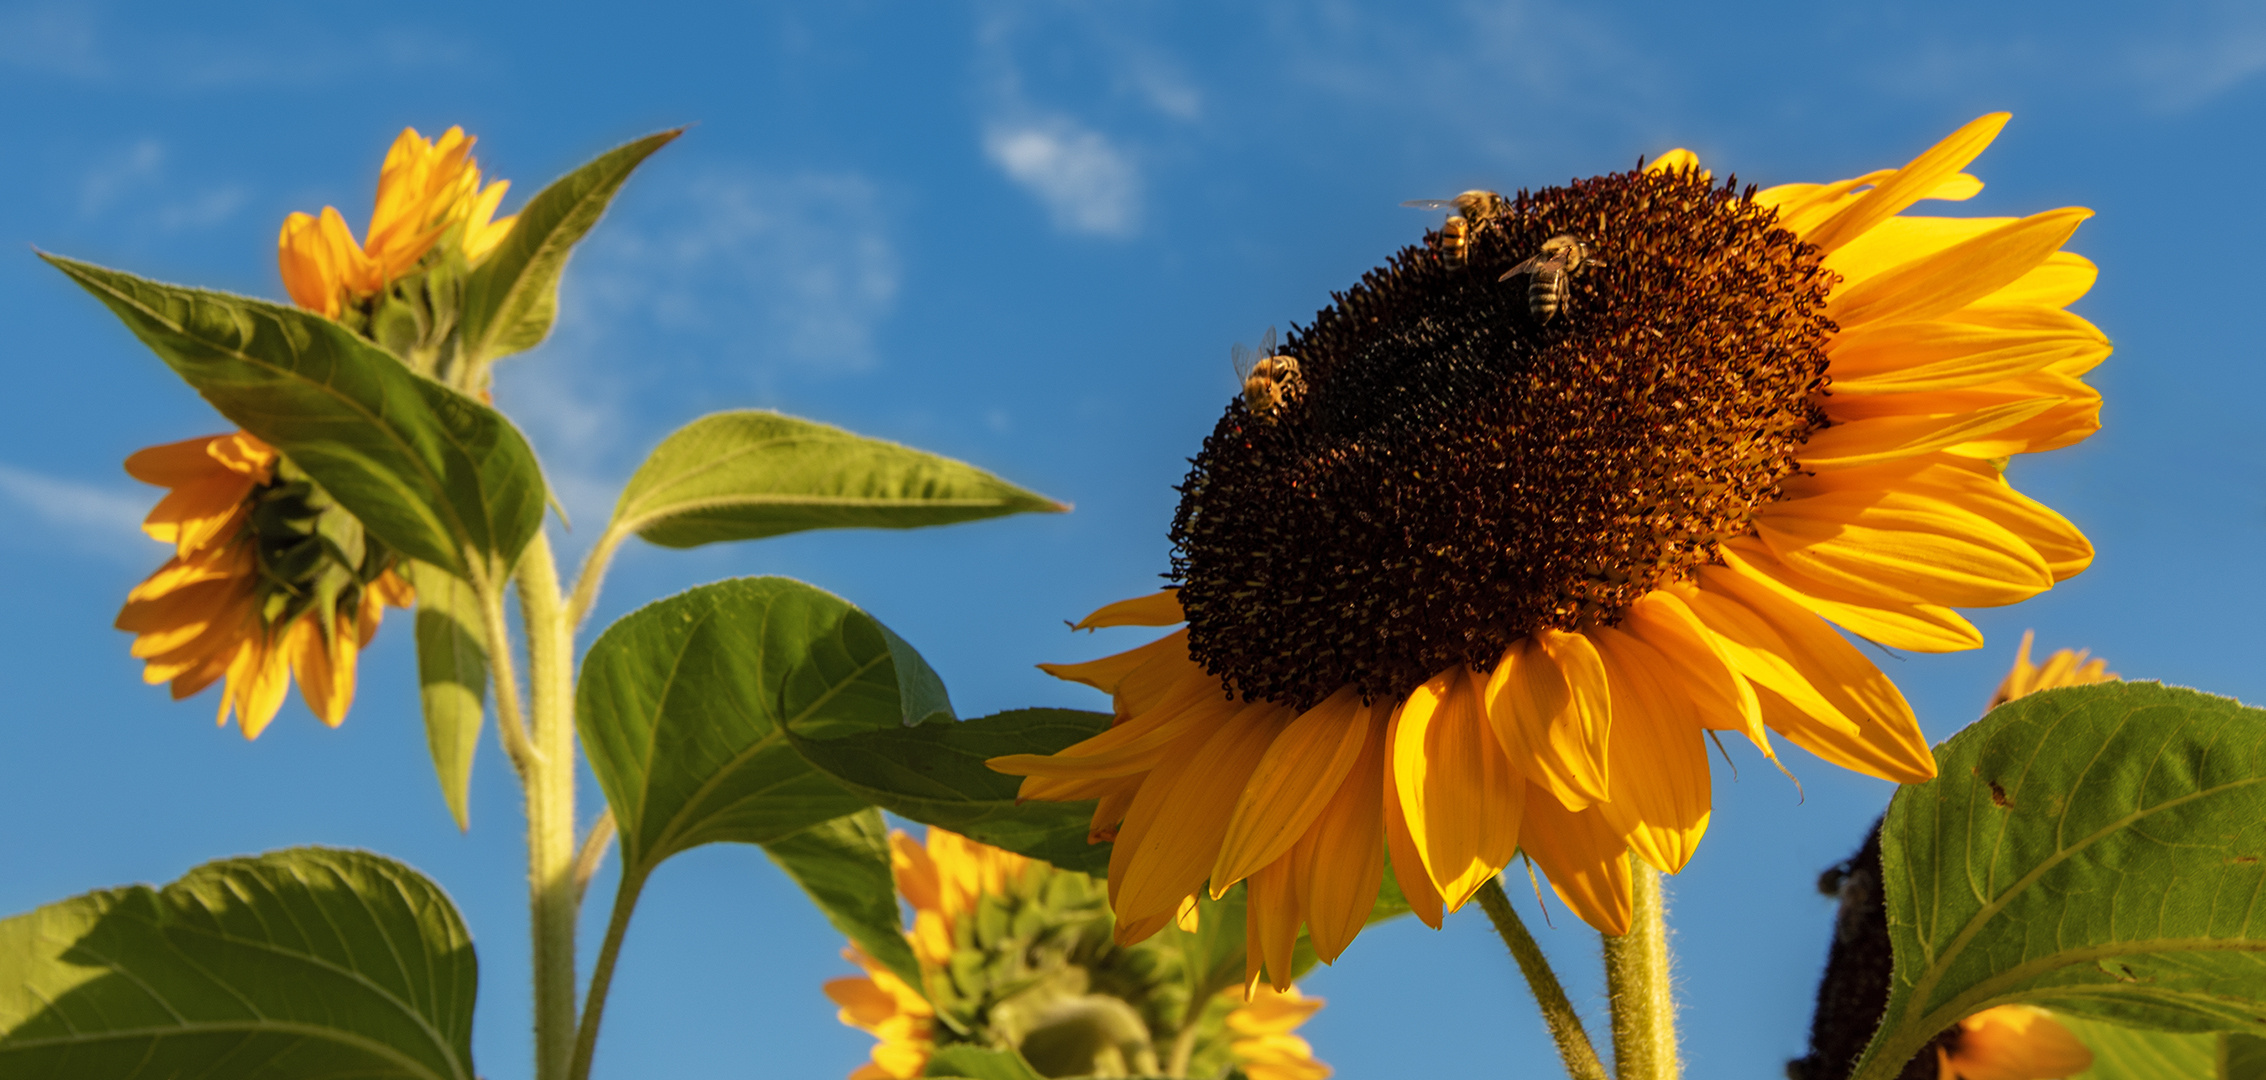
point(550, 806)
point(602, 978)
point(593, 575)
point(1557, 1013)
point(1637, 981)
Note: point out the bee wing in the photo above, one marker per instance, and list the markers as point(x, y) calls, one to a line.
point(1431, 204)
point(1243, 359)
point(1267, 343)
point(1535, 263)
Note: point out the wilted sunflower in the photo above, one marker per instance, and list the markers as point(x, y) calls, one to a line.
point(1483, 581)
point(1016, 954)
point(425, 189)
point(268, 580)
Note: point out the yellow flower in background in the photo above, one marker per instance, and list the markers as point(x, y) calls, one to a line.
point(1511, 549)
point(1266, 1049)
point(230, 602)
point(425, 189)
point(2011, 1042)
point(1020, 955)
point(895, 1013)
point(2065, 667)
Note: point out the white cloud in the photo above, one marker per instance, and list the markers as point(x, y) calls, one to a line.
point(55, 39)
point(130, 168)
point(90, 517)
point(1087, 184)
point(2184, 73)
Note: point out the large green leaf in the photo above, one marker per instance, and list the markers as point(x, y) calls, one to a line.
point(308, 962)
point(686, 706)
point(748, 475)
point(434, 474)
point(843, 865)
point(2122, 1053)
point(935, 774)
point(512, 297)
point(452, 677)
point(2096, 850)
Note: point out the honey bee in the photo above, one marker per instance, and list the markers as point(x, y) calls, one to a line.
point(1548, 274)
point(1475, 210)
point(1270, 380)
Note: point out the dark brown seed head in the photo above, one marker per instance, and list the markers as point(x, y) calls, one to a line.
point(1456, 474)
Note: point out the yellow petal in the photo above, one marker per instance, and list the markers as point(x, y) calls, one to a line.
point(1942, 354)
point(1976, 487)
point(1343, 855)
point(257, 681)
point(1584, 857)
point(1720, 697)
point(1850, 443)
point(1906, 546)
point(1948, 280)
point(1802, 206)
point(1460, 796)
point(1549, 706)
point(1173, 830)
point(1660, 780)
point(323, 664)
point(2017, 1042)
point(1815, 687)
point(1900, 240)
point(1160, 608)
point(1139, 744)
point(1408, 865)
point(1299, 775)
point(2056, 283)
point(1928, 628)
point(1915, 181)
point(1271, 920)
point(1167, 656)
point(1677, 160)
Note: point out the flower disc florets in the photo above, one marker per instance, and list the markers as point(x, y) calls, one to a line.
point(1460, 471)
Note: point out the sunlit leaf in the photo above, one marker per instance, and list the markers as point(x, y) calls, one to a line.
point(452, 677)
point(686, 706)
point(2095, 850)
point(306, 963)
point(512, 297)
point(432, 473)
point(935, 774)
point(748, 475)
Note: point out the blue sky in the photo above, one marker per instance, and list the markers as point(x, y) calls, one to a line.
point(1025, 235)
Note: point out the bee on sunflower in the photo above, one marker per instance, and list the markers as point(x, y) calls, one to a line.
point(1014, 954)
point(1490, 581)
point(270, 579)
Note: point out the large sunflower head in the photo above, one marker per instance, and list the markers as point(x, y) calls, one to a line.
point(1016, 954)
point(269, 579)
point(432, 222)
point(1587, 474)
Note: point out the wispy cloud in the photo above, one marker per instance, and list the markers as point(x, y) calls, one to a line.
point(118, 173)
point(133, 180)
point(78, 516)
point(765, 276)
point(2226, 50)
point(82, 42)
point(1087, 184)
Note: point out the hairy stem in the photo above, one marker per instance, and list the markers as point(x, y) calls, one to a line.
point(592, 576)
point(602, 977)
point(550, 806)
point(1557, 1013)
point(511, 724)
point(1637, 981)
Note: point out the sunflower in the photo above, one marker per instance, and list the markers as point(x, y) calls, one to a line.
point(267, 581)
point(2066, 667)
point(1587, 477)
point(1014, 953)
point(425, 190)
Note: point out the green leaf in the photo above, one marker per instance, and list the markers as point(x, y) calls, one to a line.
point(512, 297)
point(751, 474)
point(452, 677)
point(686, 705)
point(935, 774)
point(843, 865)
point(2095, 850)
point(969, 1062)
point(434, 474)
point(2241, 1057)
point(2123, 1053)
point(309, 962)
